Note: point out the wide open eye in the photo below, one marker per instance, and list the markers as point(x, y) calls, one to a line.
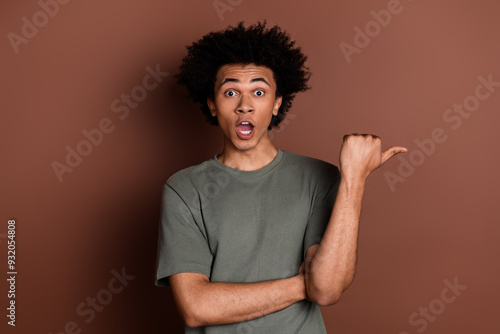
point(230, 93)
point(259, 92)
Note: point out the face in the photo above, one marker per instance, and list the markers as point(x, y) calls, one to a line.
point(244, 103)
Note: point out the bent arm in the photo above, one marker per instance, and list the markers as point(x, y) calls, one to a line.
point(331, 264)
point(203, 303)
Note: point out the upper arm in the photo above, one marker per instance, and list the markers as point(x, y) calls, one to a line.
point(182, 241)
point(186, 287)
point(322, 208)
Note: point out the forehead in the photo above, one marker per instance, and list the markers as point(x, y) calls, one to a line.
point(242, 71)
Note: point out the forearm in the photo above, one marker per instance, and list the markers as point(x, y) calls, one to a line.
point(215, 303)
point(330, 269)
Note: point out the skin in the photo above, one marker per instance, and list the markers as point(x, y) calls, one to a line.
point(245, 100)
point(329, 267)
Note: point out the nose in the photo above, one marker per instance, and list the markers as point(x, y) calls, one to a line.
point(245, 105)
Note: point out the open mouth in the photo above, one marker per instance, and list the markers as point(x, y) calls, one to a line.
point(245, 129)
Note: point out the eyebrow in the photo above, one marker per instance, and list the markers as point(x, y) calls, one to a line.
point(236, 80)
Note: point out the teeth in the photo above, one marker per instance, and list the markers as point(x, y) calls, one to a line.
point(245, 123)
point(246, 132)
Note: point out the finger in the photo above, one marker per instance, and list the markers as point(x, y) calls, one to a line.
point(346, 136)
point(352, 134)
point(392, 151)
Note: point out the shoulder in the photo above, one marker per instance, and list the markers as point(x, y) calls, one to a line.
point(189, 176)
point(313, 166)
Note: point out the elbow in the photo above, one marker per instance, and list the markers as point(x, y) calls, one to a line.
point(192, 322)
point(327, 293)
point(191, 316)
point(324, 296)
point(190, 299)
point(188, 318)
point(191, 319)
point(325, 299)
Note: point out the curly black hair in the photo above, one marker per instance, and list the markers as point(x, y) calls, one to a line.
point(239, 45)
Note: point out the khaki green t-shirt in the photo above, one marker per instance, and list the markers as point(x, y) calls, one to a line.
point(247, 226)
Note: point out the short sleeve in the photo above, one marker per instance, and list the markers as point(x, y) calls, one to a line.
point(182, 246)
point(322, 211)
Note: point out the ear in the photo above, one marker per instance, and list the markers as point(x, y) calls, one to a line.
point(277, 105)
point(211, 106)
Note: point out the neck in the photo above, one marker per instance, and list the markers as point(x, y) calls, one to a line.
point(248, 160)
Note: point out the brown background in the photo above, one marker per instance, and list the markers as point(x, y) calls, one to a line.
point(440, 223)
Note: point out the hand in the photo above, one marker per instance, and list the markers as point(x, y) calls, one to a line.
point(361, 154)
point(302, 271)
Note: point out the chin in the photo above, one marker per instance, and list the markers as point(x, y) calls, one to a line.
point(244, 146)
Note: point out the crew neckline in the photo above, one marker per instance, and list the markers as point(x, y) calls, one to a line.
point(249, 173)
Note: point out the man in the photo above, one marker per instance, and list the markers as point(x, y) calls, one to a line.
point(253, 240)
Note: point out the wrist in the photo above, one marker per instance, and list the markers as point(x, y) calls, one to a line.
point(353, 182)
point(298, 287)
